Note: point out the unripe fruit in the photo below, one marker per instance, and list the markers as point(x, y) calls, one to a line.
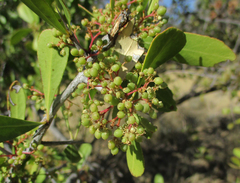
point(114, 151)
point(40, 147)
point(146, 108)
point(95, 116)
point(121, 114)
point(131, 120)
point(108, 98)
point(84, 22)
point(120, 106)
point(155, 101)
point(138, 65)
point(101, 19)
point(82, 60)
point(93, 108)
point(92, 129)
point(94, 72)
point(151, 33)
point(131, 86)
point(150, 71)
point(10, 161)
point(23, 156)
point(112, 85)
point(111, 144)
point(99, 42)
point(128, 104)
point(86, 122)
point(131, 136)
point(118, 133)
point(81, 52)
point(161, 10)
point(104, 83)
point(115, 67)
point(128, 58)
point(139, 107)
point(98, 134)
point(139, 8)
point(104, 91)
point(105, 135)
point(158, 81)
point(126, 90)
point(153, 114)
point(118, 80)
point(74, 52)
point(157, 29)
point(145, 95)
point(82, 86)
point(86, 73)
point(140, 130)
point(143, 35)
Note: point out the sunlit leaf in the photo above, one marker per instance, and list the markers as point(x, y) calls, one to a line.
point(85, 150)
point(27, 14)
point(135, 159)
point(17, 101)
point(52, 65)
point(204, 51)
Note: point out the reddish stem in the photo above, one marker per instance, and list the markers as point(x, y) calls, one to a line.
point(119, 120)
point(106, 110)
point(131, 2)
point(93, 38)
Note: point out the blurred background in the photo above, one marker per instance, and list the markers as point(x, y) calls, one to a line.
point(195, 143)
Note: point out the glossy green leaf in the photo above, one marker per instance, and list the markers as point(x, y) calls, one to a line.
point(163, 47)
point(147, 42)
point(166, 96)
point(72, 153)
point(66, 12)
point(18, 35)
point(27, 14)
point(145, 3)
point(158, 178)
point(204, 51)
point(44, 10)
point(236, 152)
point(12, 127)
point(135, 159)
point(148, 125)
point(52, 65)
point(151, 6)
point(17, 101)
point(85, 150)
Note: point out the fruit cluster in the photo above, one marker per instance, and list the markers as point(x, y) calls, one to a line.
point(127, 96)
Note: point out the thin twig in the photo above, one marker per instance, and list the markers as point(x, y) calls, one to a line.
point(55, 143)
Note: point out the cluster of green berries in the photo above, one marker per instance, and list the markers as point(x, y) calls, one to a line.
point(127, 96)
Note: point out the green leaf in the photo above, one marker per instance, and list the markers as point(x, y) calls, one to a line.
point(17, 101)
point(72, 153)
point(44, 10)
point(84, 9)
point(147, 42)
point(66, 12)
point(52, 66)
point(112, 4)
point(235, 160)
point(2, 160)
point(18, 35)
point(158, 178)
point(236, 152)
point(135, 159)
point(151, 6)
point(85, 150)
point(148, 125)
point(163, 47)
point(27, 14)
point(12, 127)
point(166, 96)
point(204, 51)
point(145, 3)
point(41, 176)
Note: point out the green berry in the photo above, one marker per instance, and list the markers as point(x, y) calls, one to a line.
point(158, 81)
point(155, 101)
point(120, 106)
point(92, 129)
point(94, 72)
point(126, 90)
point(118, 80)
point(155, 6)
point(84, 22)
point(146, 108)
point(124, 147)
point(23, 156)
point(112, 85)
point(121, 114)
point(104, 83)
point(99, 42)
point(131, 136)
point(40, 147)
point(115, 67)
point(118, 133)
point(108, 98)
point(157, 29)
point(101, 19)
point(138, 65)
point(139, 8)
point(151, 33)
point(82, 86)
point(95, 116)
point(131, 120)
point(82, 60)
point(114, 151)
point(74, 52)
point(139, 107)
point(105, 135)
point(161, 10)
point(140, 130)
point(143, 35)
point(10, 161)
point(153, 114)
point(93, 107)
point(98, 134)
point(128, 104)
point(86, 73)
point(81, 52)
point(128, 58)
point(111, 144)
point(86, 122)
point(131, 86)
point(104, 91)
point(145, 95)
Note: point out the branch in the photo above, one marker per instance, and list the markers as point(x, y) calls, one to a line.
point(196, 94)
point(55, 143)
